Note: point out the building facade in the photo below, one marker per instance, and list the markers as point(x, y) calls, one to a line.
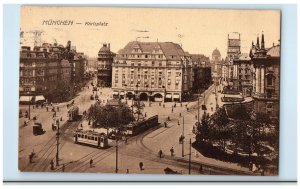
point(242, 74)
point(233, 51)
point(104, 66)
point(216, 64)
point(202, 72)
point(155, 71)
point(42, 68)
point(266, 78)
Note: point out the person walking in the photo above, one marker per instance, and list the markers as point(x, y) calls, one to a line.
point(141, 164)
point(165, 124)
point(63, 168)
point(172, 151)
point(52, 165)
point(91, 163)
point(160, 153)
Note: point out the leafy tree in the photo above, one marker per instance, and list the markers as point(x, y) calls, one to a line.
point(220, 130)
point(110, 116)
point(203, 131)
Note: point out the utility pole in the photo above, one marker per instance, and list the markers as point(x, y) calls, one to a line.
point(190, 156)
point(116, 154)
point(57, 145)
point(182, 137)
point(198, 110)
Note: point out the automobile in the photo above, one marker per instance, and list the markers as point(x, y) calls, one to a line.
point(92, 97)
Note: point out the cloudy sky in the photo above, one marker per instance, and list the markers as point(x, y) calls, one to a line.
point(199, 31)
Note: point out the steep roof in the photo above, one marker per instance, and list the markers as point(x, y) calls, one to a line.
point(168, 48)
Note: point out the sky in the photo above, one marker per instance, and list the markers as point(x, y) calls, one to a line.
point(199, 31)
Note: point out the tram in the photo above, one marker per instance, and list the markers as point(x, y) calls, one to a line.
point(141, 126)
point(73, 113)
point(91, 138)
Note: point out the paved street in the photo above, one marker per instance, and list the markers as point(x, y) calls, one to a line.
point(142, 148)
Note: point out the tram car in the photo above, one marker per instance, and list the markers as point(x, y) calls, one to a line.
point(141, 126)
point(73, 113)
point(90, 137)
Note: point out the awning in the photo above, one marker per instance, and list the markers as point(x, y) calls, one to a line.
point(168, 96)
point(25, 98)
point(176, 96)
point(115, 93)
point(122, 93)
point(40, 98)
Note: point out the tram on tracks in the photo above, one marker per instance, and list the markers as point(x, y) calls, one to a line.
point(141, 126)
point(90, 137)
point(73, 113)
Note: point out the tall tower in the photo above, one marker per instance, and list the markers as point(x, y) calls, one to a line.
point(233, 51)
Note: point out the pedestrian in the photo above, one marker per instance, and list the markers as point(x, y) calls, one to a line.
point(172, 151)
point(141, 164)
point(187, 109)
point(81, 125)
point(169, 118)
point(165, 124)
point(175, 105)
point(178, 122)
point(127, 171)
point(172, 109)
point(52, 165)
point(52, 127)
point(145, 114)
point(60, 118)
point(25, 124)
point(180, 114)
point(91, 163)
point(63, 168)
point(211, 108)
point(195, 116)
point(160, 153)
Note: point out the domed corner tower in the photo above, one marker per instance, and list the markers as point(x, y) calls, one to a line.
point(104, 66)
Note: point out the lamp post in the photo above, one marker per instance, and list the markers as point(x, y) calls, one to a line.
point(57, 145)
point(29, 105)
point(182, 137)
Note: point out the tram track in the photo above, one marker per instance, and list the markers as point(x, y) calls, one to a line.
point(43, 157)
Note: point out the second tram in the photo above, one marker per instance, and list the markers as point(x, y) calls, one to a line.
point(91, 138)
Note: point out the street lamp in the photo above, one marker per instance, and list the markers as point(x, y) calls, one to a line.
point(29, 104)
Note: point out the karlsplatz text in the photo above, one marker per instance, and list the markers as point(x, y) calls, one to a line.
point(51, 22)
point(96, 24)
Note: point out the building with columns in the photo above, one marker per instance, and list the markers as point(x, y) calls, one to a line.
point(104, 66)
point(154, 71)
point(266, 78)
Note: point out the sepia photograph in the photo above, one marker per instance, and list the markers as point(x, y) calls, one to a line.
point(182, 91)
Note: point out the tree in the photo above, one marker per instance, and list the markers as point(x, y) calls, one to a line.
point(110, 116)
point(220, 129)
point(203, 131)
